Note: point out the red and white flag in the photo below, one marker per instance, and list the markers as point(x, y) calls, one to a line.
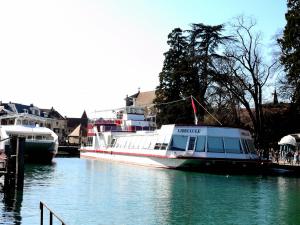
point(195, 110)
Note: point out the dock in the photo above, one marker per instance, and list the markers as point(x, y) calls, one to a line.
point(68, 151)
point(285, 168)
point(2, 167)
point(12, 163)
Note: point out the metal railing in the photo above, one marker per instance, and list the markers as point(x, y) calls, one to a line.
point(51, 214)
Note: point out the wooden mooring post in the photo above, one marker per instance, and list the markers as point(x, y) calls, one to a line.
point(14, 171)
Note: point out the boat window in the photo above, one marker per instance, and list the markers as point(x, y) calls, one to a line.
point(251, 147)
point(130, 144)
point(39, 137)
point(117, 143)
point(153, 142)
point(113, 141)
point(232, 145)
point(147, 143)
point(245, 146)
point(133, 142)
point(200, 144)
point(137, 142)
point(143, 141)
point(164, 146)
point(89, 141)
point(157, 146)
point(125, 144)
point(178, 143)
point(192, 142)
point(215, 144)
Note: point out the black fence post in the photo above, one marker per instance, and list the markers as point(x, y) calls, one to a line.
point(51, 214)
point(51, 218)
point(42, 214)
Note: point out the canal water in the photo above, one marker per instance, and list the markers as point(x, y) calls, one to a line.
point(90, 192)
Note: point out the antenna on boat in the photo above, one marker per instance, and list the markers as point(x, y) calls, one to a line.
point(193, 104)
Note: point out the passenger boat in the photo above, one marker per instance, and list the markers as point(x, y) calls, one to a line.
point(131, 139)
point(41, 143)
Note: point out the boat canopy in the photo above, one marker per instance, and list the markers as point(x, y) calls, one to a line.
point(288, 140)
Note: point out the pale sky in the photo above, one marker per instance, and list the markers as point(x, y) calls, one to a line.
point(80, 55)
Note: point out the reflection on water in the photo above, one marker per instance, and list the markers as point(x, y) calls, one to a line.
point(12, 202)
point(10, 209)
point(84, 191)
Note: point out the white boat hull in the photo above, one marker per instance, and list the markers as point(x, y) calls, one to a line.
point(159, 162)
point(189, 163)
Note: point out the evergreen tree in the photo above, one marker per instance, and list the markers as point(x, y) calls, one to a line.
point(290, 44)
point(203, 52)
point(188, 69)
point(172, 79)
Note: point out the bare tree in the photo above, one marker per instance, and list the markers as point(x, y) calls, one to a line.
point(245, 73)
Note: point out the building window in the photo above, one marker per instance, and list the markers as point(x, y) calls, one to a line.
point(56, 130)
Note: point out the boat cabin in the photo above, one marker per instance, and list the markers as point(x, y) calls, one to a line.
point(196, 141)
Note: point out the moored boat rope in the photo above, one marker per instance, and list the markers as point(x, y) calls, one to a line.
point(206, 110)
point(166, 103)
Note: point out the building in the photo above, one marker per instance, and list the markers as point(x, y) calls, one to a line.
point(76, 132)
point(57, 123)
point(144, 100)
point(16, 113)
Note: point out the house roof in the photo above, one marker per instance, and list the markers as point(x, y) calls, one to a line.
point(73, 122)
point(52, 113)
point(21, 108)
point(75, 132)
point(16, 107)
point(84, 115)
point(145, 98)
point(141, 98)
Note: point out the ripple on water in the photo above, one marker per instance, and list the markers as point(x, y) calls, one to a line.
point(84, 191)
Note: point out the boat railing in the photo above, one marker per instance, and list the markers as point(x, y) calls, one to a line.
point(51, 214)
point(5, 139)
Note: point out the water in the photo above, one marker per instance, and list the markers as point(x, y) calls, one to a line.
point(85, 191)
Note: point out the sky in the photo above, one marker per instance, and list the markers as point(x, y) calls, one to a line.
point(77, 55)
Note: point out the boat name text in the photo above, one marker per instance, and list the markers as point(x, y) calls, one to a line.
point(185, 130)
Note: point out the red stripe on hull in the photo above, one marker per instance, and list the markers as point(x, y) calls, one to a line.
point(170, 157)
point(125, 153)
